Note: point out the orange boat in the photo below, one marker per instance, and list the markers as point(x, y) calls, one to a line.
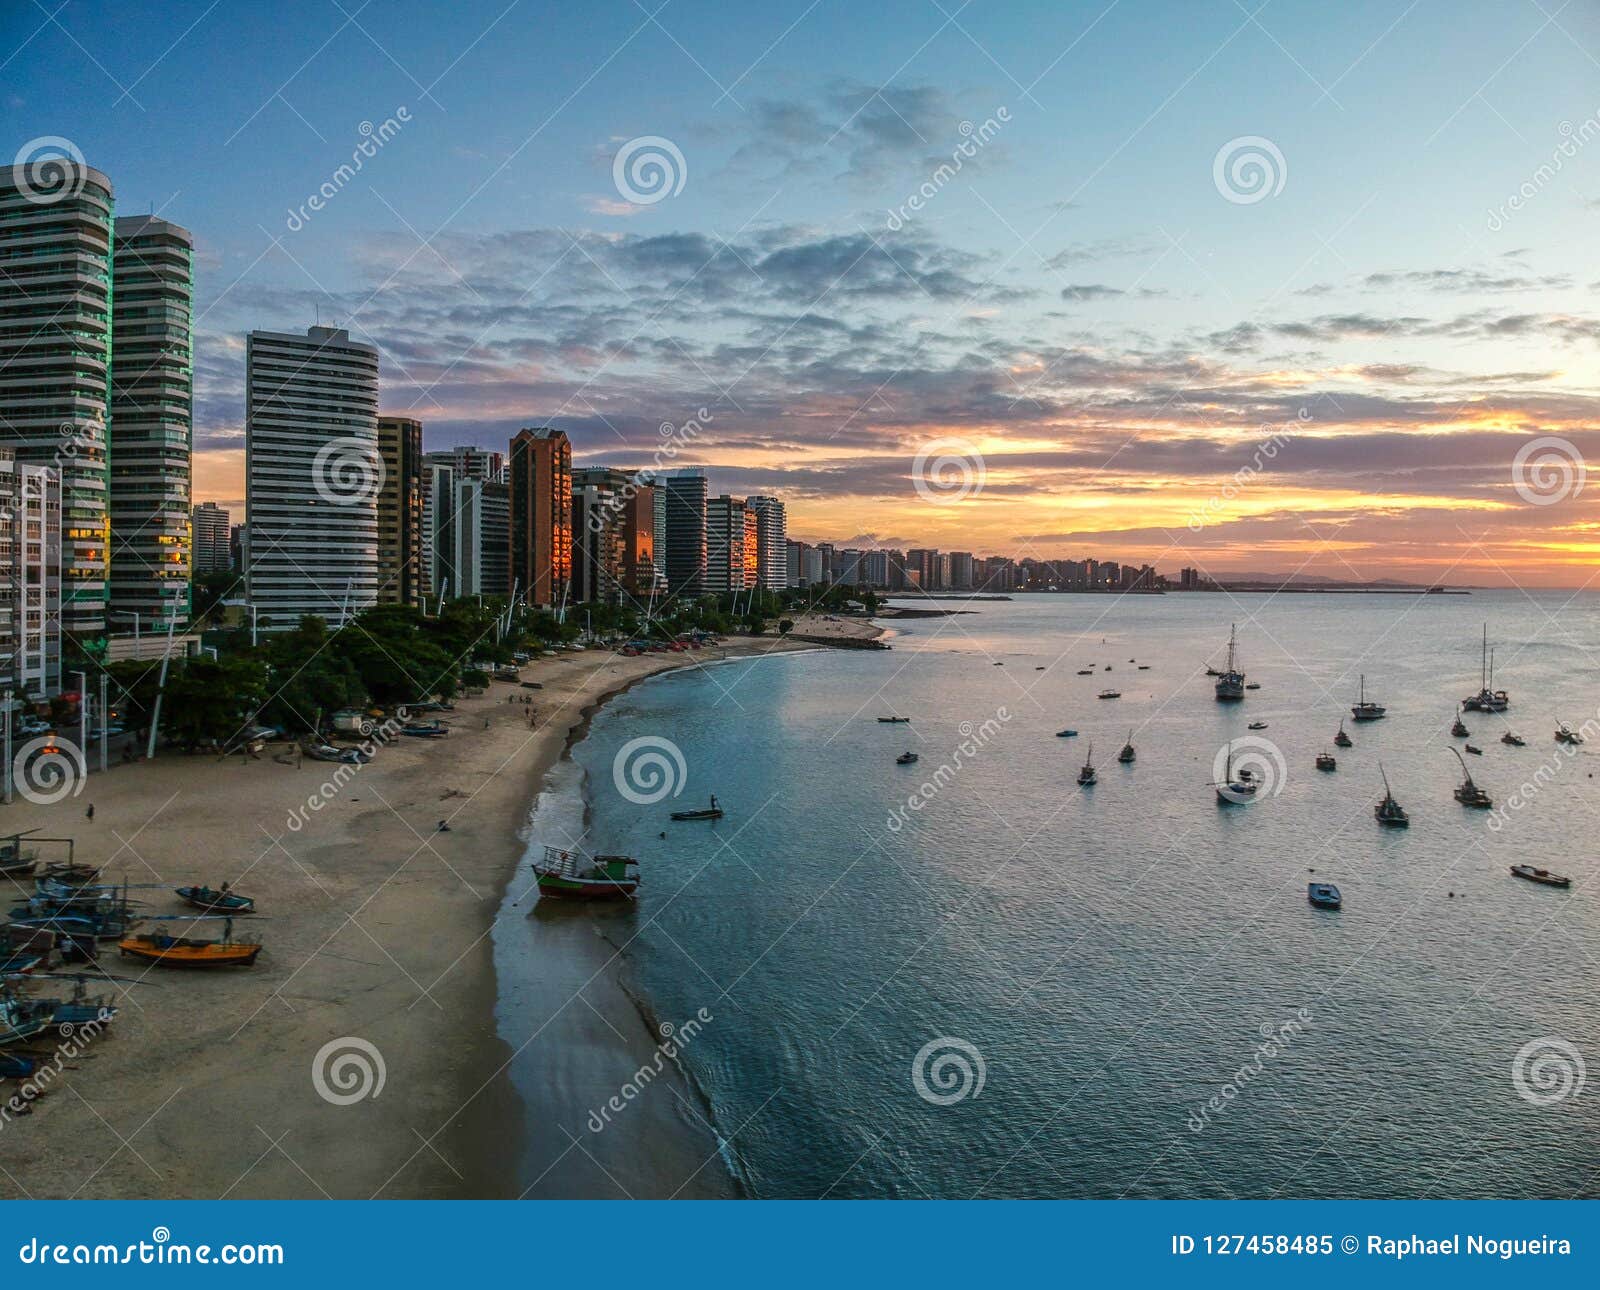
point(182, 951)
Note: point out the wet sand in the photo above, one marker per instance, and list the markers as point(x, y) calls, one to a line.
point(377, 929)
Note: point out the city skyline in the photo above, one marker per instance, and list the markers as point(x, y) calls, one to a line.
point(1051, 236)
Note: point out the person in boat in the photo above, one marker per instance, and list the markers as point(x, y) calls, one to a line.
point(714, 805)
point(444, 827)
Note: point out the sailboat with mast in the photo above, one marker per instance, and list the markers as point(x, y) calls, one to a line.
point(1389, 812)
point(1230, 685)
point(1361, 710)
point(1487, 699)
point(1233, 791)
point(1086, 775)
point(1468, 793)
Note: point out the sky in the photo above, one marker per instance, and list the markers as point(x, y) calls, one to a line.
point(1253, 287)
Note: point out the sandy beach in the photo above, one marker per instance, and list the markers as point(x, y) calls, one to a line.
point(377, 929)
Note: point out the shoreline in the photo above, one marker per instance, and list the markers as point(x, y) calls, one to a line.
point(378, 931)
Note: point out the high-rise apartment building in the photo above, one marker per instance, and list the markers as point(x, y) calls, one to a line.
point(725, 536)
point(151, 422)
point(400, 511)
point(685, 560)
point(56, 223)
point(772, 536)
point(598, 495)
point(312, 475)
point(30, 577)
point(541, 516)
point(213, 539)
point(961, 570)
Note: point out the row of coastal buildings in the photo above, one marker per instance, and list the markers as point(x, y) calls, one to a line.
point(344, 510)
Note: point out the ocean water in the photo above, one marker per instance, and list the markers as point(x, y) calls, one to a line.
point(1028, 989)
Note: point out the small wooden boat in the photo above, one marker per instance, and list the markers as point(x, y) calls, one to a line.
point(1144, 667)
point(1389, 812)
point(1541, 876)
point(1252, 685)
point(1565, 734)
point(426, 730)
point(1362, 710)
point(1459, 729)
point(186, 951)
point(906, 759)
point(1342, 740)
point(1516, 741)
point(70, 873)
point(893, 721)
point(1110, 694)
point(1068, 733)
point(565, 875)
point(1324, 895)
point(18, 868)
point(712, 812)
point(1086, 775)
point(1086, 671)
point(217, 902)
point(1468, 793)
point(1257, 725)
point(1473, 749)
point(17, 861)
point(1325, 761)
point(19, 962)
point(22, 1019)
point(1127, 755)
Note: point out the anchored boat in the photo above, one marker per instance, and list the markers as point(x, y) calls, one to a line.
point(1324, 895)
point(565, 875)
point(1487, 699)
point(188, 951)
point(1086, 775)
point(1468, 793)
point(222, 901)
point(1541, 876)
point(1127, 754)
point(1325, 761)
point(1230, 681)
point(1231, 790)
point(1389, 812)
point(1361, 710)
